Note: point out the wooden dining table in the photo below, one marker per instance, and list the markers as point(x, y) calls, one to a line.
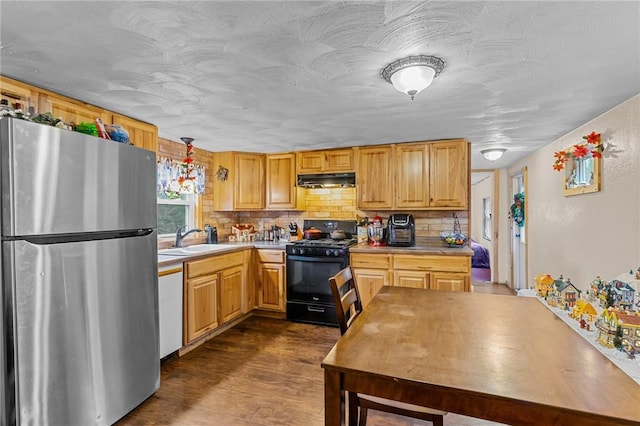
point(496, 357)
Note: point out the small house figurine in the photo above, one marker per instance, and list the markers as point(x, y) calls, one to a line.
point(544, 284)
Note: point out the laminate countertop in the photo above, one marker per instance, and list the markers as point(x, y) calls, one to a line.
point(222, 248)
point(424, 245)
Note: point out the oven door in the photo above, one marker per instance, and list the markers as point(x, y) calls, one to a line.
point(308, 278)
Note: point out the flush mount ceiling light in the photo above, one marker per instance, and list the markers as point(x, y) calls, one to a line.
point(413, 74)
point(492, 154)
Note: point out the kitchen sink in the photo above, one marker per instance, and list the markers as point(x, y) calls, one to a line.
point(194, 249)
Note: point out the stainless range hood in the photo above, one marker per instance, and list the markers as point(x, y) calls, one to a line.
point(327, 180)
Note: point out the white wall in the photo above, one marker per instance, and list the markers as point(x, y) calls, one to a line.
point(587, 235)
point(504, 236)
point(478, 192)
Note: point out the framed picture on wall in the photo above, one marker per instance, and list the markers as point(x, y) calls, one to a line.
point(581, 175)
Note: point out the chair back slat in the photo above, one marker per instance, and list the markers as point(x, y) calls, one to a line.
point(346, 298)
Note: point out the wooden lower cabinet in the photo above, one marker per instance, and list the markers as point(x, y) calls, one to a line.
point(214, 293)
point(435, 272)
point(271, 275)
point(415, 279)
point(231, 293)
point(201, 310)
point(371, 272)
point(370, 281)
point(449, 281)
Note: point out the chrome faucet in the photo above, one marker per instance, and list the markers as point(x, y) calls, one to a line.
point(180, 236)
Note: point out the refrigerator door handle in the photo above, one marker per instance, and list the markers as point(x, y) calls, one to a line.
point(79, 237)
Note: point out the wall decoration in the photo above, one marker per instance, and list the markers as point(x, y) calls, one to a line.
point(581, 165)
point(222, 174)
point(517, 209)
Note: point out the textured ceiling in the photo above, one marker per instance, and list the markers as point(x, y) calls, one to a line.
point(294, 75)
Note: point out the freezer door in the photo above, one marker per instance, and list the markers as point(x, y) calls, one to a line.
point(86, 329)
point(57, 181)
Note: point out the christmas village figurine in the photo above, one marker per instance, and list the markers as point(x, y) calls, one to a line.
point(544, 284)
point(619, 330)
point(584, 313)
point(618, 300)
point(561, 293)
point(619, 323)
point(621, 292)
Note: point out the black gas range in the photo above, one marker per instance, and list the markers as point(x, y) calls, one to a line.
point(310, 264)
point(321, 247)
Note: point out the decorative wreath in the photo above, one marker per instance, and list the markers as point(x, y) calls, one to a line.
point(517, 209)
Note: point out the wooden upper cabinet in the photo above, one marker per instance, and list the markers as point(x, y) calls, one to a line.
point(15, 92)
point(141, 134)
point(71, 111)
point(412, 175)
point(449, 174)
point(244, 188)
point(431, 174)
point(374, 180)
point(281, 191)
point(249, 188)
point(326, 161)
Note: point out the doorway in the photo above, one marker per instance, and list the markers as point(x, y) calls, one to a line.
point(483, 227)
point(518, 224)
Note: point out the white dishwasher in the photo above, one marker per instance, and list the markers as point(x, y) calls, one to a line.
point(170, 308)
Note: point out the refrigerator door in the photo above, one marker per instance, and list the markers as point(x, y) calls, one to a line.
point(56, 181)
point(86, 329)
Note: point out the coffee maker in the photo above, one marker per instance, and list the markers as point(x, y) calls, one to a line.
point(401, 231)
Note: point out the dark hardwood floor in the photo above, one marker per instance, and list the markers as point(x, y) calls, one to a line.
point(263, 371)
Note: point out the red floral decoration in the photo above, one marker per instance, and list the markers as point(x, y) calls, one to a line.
point(593, 146)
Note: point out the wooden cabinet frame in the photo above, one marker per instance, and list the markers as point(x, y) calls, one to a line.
point(435, 272)
point(325, 161)
point(214, 293)
point(141, 134)
point(432, 175)
point(271, 276)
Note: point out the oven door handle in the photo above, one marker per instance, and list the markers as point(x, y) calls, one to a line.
point(314, 309)
point(318, 259)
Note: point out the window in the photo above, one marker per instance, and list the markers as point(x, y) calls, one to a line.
point(173, 213)
point(487, 224)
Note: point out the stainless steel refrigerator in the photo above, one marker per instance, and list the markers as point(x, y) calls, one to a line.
point(79, 299)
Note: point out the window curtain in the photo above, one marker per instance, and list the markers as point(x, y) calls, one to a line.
point(176, 178)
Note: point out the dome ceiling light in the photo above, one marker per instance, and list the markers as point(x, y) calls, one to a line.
point(413, 74)
point(492, 154)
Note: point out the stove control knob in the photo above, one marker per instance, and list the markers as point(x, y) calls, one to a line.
point(328, 252)
point(301, 251)
point(336, 252)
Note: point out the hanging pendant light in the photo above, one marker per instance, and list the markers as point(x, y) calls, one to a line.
point(413, 74)
point(187, 179)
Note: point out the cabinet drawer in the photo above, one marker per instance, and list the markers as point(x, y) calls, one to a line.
point(431, 263)
point(213, 264)
point(378, 261)
point(271, 256)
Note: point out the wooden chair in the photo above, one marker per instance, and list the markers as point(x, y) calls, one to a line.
point(348, 306)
